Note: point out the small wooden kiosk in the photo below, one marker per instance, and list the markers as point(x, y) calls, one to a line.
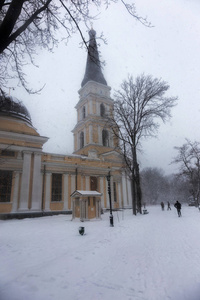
point(86, 205)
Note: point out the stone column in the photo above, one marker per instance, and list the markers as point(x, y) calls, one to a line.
point(47, 191)
point(102, 191)
point(124, 190)
point(37, 183)
point(129, 191)
point(82, 181)
point(98, 208)
point(85, 140)
point(73, 208)
point(86, 209)
point(66, 177)
point(15, 192)
point(90, 134)
point(107, 109)
point(73, 183)
point(78, 140)
point(119, 194)
point(98, 108)
point(78, 116)
point(91, 107)
point(111, 138)
point(73, 186)
point(100, 135)
point(87, 183)
point(25, 183)
point(82, 209)
point(86, 110)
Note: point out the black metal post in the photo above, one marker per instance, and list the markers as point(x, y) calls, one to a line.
point(109, 193)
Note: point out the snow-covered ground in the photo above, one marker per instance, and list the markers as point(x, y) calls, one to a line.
point(148, 257)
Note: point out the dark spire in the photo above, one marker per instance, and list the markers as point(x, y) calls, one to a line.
point(93, 68)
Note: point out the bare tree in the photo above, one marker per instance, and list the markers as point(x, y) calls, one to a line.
point(137, 108)
point(155, 186)
point(188, 159)
point(28, 24)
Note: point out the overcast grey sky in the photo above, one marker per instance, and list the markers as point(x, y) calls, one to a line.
point(170, 50)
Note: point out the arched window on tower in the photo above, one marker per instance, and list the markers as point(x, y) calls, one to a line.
point(102, 110)
point(105, 138)
point(81, 139)
point(83, 112)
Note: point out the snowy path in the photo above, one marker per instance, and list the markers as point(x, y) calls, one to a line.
point(148, 257)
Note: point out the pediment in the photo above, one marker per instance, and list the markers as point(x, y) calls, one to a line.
point(112, 156)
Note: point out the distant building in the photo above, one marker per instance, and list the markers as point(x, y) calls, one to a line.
point(33, 182)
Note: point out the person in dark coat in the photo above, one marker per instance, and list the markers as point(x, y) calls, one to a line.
point(162, 205)
point(177, 205)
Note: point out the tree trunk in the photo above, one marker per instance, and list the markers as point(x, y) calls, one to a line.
point(138, 192)
point(138, 189)
point(133, 189)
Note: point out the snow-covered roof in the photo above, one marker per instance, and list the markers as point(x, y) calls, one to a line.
point(11, 106)
point(85, 193)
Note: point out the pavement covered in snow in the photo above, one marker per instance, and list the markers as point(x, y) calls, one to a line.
point(148, 257)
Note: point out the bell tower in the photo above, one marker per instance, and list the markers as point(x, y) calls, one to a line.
point(92, 135)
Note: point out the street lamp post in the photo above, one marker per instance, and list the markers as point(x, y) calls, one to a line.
point(109, 193)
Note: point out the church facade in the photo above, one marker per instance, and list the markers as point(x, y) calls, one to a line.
point(33, 182)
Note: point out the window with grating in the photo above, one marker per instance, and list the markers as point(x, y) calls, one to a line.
point(5, 185)
point(83, 112)
point(102, 110)
point(56, 190)
point(93, 183)
point(105, 138)
point(7, 153)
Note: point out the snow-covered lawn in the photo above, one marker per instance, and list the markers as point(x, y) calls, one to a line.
point(148, 257)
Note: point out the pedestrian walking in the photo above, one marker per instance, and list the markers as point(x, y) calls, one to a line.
point(162, 205)
point(168, 206)
point(177, 205)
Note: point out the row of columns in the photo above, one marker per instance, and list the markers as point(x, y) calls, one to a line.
point(126, 191)
point(32, 181)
